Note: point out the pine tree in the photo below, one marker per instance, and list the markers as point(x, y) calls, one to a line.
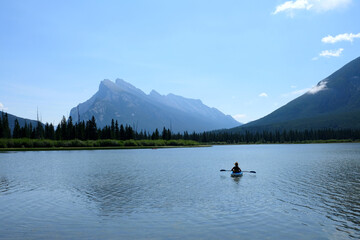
point(63, 129)
point(91, 129)
point(39, 131)
point(122, 132)
point(6, 133)
point(70, 129)
point(164, 134)
point(1, 125)
point(17, 130)
point(112, 129)
point(129, 133)
point(26, 131)
point(49, 131)
point(155, 135)
point(117, 134)
point(80, 132)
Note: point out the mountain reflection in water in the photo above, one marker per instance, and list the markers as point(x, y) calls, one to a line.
point(310, 191)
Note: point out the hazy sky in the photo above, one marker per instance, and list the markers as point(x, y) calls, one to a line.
point(246, 58)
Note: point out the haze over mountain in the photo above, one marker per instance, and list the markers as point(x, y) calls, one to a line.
point(129, 105)
point(333, 103)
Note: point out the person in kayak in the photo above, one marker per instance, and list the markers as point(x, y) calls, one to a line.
point(236, 168)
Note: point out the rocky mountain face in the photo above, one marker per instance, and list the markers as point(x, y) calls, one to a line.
point(333, 103)
point(129, 105)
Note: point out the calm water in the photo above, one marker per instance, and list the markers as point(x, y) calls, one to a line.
point(299, 192)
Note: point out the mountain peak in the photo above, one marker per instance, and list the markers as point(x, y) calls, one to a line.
point(154, 93)
point(127, 87)
point(107, 83)
point(127, 104)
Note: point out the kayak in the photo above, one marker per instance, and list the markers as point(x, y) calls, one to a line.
point(239, 174)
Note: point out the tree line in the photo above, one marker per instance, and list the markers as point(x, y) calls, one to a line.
point(84, 130)
point(88, 130)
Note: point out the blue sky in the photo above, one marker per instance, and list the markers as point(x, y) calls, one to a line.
point(246, 58)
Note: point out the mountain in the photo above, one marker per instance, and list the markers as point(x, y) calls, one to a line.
point(22, 121)
point(129, 105)
point(333, 103)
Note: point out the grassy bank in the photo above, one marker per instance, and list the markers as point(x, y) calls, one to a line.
point(45, 144)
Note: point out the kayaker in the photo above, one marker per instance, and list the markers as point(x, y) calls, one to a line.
point(236, 168)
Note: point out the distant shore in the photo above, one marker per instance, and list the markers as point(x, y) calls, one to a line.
point(67, 145)
point(93, 148)
point(25, 144)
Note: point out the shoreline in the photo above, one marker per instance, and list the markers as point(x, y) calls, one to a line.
point(94, 148)
point(155, 145)
point(67, 145)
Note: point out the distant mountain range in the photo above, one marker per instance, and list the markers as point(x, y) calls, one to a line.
point(127, 104)
point(333, 103)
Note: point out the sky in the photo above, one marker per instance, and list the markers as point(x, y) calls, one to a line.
point(245, 58)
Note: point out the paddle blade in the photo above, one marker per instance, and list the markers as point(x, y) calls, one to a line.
point(223, 170)
point(252, 171)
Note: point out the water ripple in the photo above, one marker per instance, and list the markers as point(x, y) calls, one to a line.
point(299, 192)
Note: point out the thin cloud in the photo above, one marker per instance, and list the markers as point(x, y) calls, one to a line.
point(296, 92)
point(2, 108)
point(315, 5)
point(341, 37)
point(239, 117)
point(327, 5)
point(263, 94)
point(331, 53)
point(291, 5)
point(321, 86)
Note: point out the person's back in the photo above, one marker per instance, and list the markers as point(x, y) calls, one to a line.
point(236, 168)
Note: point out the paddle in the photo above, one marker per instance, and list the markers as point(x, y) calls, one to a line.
point(224, 170)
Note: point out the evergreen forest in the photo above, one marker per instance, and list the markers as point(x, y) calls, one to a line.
point(83, 131)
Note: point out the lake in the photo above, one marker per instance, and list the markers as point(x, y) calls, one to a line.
point(309, 191)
